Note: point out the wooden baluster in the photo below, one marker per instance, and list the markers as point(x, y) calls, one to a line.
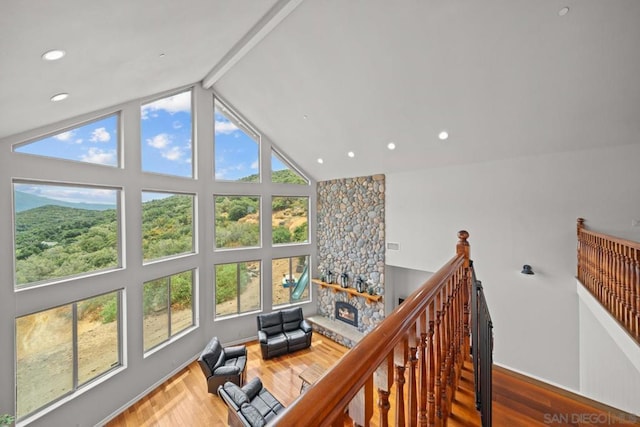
point(431, 399)
point(423, 366)
point(438, 361)
point(383, 406)
point(618, 281)
point(635, 293)
point(400, 360)
point(446, 366)
point(383, 378)
point(413, 360)
point(626, 300)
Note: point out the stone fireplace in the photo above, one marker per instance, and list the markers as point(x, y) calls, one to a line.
point(351, 239)
point(347, 313)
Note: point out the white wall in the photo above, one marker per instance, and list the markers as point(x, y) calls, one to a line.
point(609, 357)
point(519, 211)
point(401, 282)
point(140, 373)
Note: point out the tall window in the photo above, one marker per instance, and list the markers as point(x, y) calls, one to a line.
point(166, 136)
point(62, 231)
point(237, 221)
point(61, 349)
point(167, 307)
point(291, 280)
point(290, 219)
point(95, 142)
point(237, 147)
point(167, 224)
point(237, 288)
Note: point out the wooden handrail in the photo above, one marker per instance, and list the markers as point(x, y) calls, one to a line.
point(429, 332)
point(609, 267)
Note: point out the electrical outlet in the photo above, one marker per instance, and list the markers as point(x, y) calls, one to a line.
point(393, 246)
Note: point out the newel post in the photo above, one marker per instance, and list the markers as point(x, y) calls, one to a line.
point(579, 228)
point(463, 249)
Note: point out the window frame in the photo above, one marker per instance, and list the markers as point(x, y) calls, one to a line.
point(238, 313)
point(260, 243)
point(76, 125)
point(55, 280)
point(77, 387)
point(194, 226)
point(235, 118)
point(171, 337)
point(146, 101)
point(292, 303)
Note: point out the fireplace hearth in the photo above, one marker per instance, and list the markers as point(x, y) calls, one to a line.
point(347, 313)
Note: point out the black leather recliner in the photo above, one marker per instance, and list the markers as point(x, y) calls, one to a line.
point(220, 365)
point(282, 332)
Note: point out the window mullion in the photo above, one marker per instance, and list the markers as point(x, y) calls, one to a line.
point(169, 305)
point(74, 328)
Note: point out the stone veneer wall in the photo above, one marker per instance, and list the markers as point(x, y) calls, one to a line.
point(351, 238)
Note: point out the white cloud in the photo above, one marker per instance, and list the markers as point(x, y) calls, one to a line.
point(79, 141)
point(159, 141)
point(225, 127)
point(177, 125)
point(64, 136)
point(180, 103)
point(254, 165)
point(174, 153)
point(71, 194)
point(100, 135)
point(102, 157)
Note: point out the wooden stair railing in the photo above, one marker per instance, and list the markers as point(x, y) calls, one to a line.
point(609, 267)
point(428, 333)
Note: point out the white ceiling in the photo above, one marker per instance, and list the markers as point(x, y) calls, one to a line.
point(506, 78)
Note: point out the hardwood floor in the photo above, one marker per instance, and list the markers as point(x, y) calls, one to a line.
point(518, 401)
point(522, 401)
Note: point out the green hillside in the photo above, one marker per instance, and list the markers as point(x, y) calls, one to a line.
point(285, 176)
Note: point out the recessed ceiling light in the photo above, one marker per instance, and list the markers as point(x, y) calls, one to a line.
point(351, 154)
point(563, 11)
point(162, 55)
point(305, 117)
point(59, 97)
point(320, 160)
point(391, 146)
point(53, 55)
point(443, 135)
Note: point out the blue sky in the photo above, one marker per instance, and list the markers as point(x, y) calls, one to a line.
point(166, 148)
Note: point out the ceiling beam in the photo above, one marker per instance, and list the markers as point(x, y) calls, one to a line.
point(263, 27)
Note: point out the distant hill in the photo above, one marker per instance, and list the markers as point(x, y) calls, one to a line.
point(25, 201)
point(284, 176)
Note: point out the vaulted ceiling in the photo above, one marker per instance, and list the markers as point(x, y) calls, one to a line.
point(320, 78)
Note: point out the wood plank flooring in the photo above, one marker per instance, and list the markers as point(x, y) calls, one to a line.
point(518, 401)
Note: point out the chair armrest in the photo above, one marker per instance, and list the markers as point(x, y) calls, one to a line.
point(227, 370)
point(235, 351)
point(305, 326)
point(262, 337)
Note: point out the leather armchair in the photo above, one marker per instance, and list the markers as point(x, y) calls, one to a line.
point(220, 365)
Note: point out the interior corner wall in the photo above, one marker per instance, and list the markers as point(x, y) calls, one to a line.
point(519, 211)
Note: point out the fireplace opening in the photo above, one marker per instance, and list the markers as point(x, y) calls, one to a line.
point(347, 313)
